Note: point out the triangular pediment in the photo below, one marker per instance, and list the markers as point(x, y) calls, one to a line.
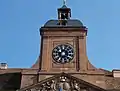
point(62, 82)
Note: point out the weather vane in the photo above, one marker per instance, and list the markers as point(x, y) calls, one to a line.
point(64, 2)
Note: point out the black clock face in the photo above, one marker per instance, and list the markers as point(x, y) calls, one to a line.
point(63, 53)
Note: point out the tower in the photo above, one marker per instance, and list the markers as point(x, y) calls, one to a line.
point(63, 44)
point(63, 63)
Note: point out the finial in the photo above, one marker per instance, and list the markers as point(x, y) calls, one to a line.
point(64, 2)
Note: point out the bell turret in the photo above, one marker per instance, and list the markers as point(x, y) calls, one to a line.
point(64, 14)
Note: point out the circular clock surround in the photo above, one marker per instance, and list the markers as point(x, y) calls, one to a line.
point(63, 53)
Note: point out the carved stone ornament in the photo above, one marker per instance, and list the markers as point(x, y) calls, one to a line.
point(61, 83)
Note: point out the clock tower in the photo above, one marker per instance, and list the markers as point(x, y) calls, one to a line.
point(63, 44)
point(63, 64)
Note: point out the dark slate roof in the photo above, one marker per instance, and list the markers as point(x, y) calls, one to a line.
point(10, 81)
point(70, 23)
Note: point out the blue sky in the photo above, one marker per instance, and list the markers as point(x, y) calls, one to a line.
point(20, 21)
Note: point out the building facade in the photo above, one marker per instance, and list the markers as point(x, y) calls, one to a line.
point(63, 64)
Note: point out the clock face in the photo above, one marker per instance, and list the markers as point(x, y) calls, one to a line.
point(63, 53)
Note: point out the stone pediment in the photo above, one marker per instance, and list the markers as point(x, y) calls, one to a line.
point(62, 82)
